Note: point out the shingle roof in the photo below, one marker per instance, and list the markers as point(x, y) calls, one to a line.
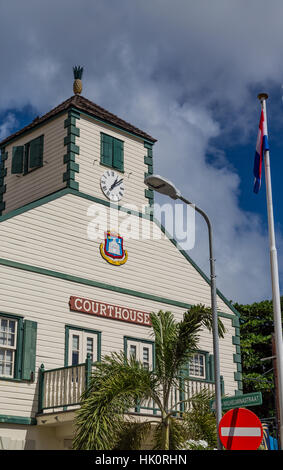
point(83, 104)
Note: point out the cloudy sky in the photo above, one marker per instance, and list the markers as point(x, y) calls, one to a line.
point(187, 72)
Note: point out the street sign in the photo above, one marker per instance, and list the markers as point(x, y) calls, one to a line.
point(240, 429)
point(249, 399)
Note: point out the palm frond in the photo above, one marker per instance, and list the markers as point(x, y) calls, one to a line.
point(178, 435)
point(133, 435)
point(199, 421)
point(194, 320)
point(115, 386)
point(118, 384)
point(165, 335)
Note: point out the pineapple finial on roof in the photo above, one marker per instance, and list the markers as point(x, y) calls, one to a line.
point(77, 85)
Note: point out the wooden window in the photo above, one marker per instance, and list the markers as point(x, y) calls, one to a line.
point(200, 367)
point(29, 350)
point(35, 154)
point(112, 152)
point(197, 366)
point(8, 346)
point(80, 344)
point(28, 157)
point(17, 347)
point(106, 150)
point(17, 159)
point(140, 350)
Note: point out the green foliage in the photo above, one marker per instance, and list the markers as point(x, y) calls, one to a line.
point(132, 435)
point(118, 384)
point(176, 342)
point(199, 421)
point(256, 329)
point(177, 435)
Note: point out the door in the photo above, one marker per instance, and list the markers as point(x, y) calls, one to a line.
point(81, 343)
point(141, 351)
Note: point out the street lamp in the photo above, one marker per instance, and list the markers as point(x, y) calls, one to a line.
point(163, 186)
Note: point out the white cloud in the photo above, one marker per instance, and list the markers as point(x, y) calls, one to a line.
point(9, 122)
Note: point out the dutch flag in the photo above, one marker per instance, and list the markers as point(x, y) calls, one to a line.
point(261, 146)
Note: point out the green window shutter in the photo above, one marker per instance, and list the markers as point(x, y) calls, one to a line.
point(17, 159)
point(29, 349)
point(106, 149)
point(118, 156)
point(36, 152)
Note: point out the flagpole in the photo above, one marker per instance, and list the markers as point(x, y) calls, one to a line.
point(274, 277)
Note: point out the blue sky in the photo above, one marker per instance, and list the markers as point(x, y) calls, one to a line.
point(241, 157)
point(187, 73)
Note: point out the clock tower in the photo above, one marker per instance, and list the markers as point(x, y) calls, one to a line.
point(77, 145)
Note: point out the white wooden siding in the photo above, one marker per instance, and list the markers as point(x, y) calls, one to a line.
point(91, 169)
point(45, 300)
point(22, 189)
point(54, 236)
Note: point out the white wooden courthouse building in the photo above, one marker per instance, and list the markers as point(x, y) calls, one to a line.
point(68, 297)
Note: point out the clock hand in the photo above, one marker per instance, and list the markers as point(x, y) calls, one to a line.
point(117, 183)
point(114, 184)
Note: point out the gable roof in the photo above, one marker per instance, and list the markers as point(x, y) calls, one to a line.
point(92, 109)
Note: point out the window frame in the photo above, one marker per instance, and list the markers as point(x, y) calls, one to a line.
point(113, 140)
point(25, 156)
point(18, 350)
point(9, 348)
point(26, 166)
point(193, 365)
point(208, 367)
point(128, 339)
point(80, 329)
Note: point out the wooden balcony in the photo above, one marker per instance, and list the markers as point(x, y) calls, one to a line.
point(61, 389)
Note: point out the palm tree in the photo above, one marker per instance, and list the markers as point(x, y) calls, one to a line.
point(118, 383)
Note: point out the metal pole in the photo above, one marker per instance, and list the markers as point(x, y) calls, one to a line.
point(274, 277)
point(218, 404)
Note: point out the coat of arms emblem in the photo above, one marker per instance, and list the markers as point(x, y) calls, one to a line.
point(112, 249)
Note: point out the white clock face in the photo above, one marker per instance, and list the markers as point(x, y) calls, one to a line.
point(112, 185)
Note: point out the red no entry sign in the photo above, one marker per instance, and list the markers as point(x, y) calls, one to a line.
point(240, 429)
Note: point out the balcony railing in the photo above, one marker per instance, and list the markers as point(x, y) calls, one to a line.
point(61, 389)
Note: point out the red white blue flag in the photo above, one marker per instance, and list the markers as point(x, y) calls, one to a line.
point(261, 146)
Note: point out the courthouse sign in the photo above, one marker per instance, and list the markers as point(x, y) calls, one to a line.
point(115, 312)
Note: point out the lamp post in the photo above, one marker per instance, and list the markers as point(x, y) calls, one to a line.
point(163, 186)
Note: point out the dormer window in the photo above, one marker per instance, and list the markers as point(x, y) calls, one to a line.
point(112, 152)
point(28, 157)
